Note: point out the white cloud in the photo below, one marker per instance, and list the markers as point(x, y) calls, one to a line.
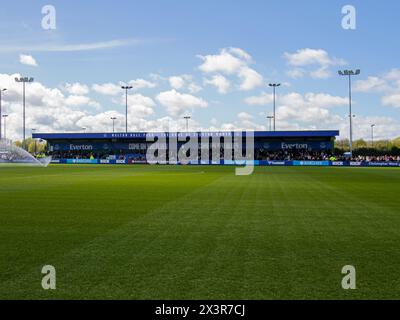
point(75, 100)
point(391, 100)
point(109, 89)
point(245, 116)
point(102, 122)
point(27, 60)
point(250, 79)
point(371, 84)
point(311, 58)
point(51, 47)
point(321, 73)
point(226, 127)
point(245, 122)
point(224, 62)
point(194, 88)
point(112, 89)
point(178, 103)
point(214, 121)
point(385, 127)
point(325, 100)
point(296, 111)
point(266, 98)
point(241, 54)
point(261, 100)
point(53, 110)
point(251, 125)
point(176, 82)
point(139, 105)
point(184, 82)
point(141, 84)
point(47, 108)
point(305, 57)
point(296, 73)
point(233, 61)
point(76, 88)
point(319, 100)
point(220, 82)
point(156, 77)
point(387, 84)
point(309, 111)
point(393, 74)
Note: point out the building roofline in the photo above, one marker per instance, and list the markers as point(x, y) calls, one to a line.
point(133, 135)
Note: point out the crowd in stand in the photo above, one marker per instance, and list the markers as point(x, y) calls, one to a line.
point(318, 156)
point(292, 155)
point(259, 155)
point(6, 157)
point(386, 158)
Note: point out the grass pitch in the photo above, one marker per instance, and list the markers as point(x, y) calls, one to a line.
point(199, 232)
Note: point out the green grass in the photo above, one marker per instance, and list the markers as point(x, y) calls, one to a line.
point(147, 232)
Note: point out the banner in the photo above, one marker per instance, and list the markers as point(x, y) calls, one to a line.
point(81, 161)
point(384, 164)
point(297, 163)
point(310, 163)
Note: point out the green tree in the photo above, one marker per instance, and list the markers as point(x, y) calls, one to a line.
point(396, 142)
point(360, 143)
point(342, 144)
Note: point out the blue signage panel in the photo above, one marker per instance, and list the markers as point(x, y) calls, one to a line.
point(310, 163)
point(384, 164)
point(82, 161)
point(295, 145)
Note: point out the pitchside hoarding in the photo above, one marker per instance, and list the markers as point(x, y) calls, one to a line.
point(306, 163)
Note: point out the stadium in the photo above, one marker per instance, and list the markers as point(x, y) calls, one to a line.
point(285, 148)
point(131, 148)
point(168, 185)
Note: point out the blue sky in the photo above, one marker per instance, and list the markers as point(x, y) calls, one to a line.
point(210, 59)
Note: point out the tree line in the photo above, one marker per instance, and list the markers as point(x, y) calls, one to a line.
point(369, 148)
point(33, 146)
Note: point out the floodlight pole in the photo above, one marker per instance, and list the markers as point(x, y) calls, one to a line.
point(187, 122)
point(24, 80)
point(34, 140)
point(126, 88)
point(274, 86)
point(351, 117)
point(372, 135)
point(1, 91)
point(270, 122)
point(113, 122)
point(5, 125)
point(349, 74)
